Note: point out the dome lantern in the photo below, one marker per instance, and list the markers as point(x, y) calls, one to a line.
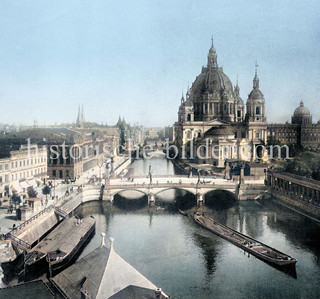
point(212, 56)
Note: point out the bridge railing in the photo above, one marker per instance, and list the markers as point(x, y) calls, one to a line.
point(164, 185)
point(19, 242)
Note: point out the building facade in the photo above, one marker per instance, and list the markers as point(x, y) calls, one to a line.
point(24, 167)
point(300, 132)
point(212, 107)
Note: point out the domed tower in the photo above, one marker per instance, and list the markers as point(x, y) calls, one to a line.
point(301, 115)
point(256, 103)
point(255, 116)
point(185, 113)
point(212, 93)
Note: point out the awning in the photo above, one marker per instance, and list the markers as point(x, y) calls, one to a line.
point(24, 184)
point(32, 183)
point(16, 187)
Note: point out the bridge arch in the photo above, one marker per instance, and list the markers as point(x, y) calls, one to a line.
point(174, 188)
point(119, 191)
point(130, 203)
point(220, 198)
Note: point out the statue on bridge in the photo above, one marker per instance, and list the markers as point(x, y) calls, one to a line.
point(150, 174)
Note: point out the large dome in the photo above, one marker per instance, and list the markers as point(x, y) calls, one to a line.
point(301, 110)
point(211, 81)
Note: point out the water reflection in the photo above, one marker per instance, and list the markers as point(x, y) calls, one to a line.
point(209, 251)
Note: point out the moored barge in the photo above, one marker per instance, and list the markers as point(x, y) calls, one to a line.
point(256, 248)
point(62, 244)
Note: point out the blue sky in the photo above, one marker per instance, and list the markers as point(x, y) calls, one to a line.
point(134, 58)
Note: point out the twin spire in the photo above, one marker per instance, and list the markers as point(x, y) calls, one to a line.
point(80, 119)
point(187, 95)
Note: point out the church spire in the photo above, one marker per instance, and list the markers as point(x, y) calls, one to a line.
point(256, 79)
point(78, 117)
point(182, 98)
point(212, 56)
point(237, 88)
point(82, 116)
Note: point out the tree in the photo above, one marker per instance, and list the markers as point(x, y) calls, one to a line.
point(15, 198)
point(46, 190)
point(32, 193)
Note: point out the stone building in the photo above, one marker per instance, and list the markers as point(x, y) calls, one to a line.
point(301, 132)
point(69, 152)
point(21, 168)
point(213, 106)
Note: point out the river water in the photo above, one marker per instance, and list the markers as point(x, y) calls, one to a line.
point(187, 261)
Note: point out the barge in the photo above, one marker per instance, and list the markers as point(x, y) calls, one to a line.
point(184, 213)
point(254, 247)
point(61, 245)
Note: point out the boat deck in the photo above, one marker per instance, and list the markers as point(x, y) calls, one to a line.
point(243, 241)
point(66, 236)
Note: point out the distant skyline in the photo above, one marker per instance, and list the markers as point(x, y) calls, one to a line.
point(134, 58)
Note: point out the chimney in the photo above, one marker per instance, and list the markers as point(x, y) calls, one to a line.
point(102, 240)
point(111, 242)
point(158, 292)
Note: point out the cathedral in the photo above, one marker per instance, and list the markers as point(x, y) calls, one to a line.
point(213, 114)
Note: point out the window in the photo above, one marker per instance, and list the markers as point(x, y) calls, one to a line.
point(239, 113)
point(257, 135)
point(54, 173)
point(258, 110)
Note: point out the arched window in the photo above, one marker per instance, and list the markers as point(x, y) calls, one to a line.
point(258, 110)
point(188, 117)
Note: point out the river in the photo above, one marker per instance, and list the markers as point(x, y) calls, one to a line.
point(187, 261)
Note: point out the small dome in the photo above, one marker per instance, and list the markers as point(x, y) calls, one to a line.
point(255, 95)
point(301, 110)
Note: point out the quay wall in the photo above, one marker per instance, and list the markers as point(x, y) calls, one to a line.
point(122, 166)
point(298, 206)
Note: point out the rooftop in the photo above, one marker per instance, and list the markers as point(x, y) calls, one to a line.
point(104, 274)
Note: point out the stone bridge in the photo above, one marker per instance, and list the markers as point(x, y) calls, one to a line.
point(159, 184)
